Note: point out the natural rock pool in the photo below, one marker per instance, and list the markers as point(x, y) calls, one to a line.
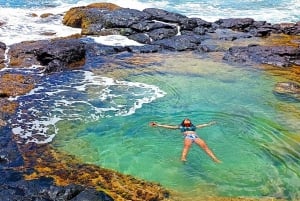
point(101, 117)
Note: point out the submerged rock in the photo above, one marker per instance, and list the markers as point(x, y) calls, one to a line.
point(12, 84)
point(287, 91)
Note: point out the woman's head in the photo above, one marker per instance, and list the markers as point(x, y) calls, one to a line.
point(186, 123)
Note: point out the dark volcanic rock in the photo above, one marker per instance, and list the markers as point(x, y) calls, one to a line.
point(289, 28)
point(141, 38)
point(281, 56)
point(44, 189)
point(124, 17)
point(57, 55)
point(22, 54)
point(95, 50)
point(159, 34)
point(235, 23)
point(192, 23)
point(149, 25)
point(163, 15)
point(180, 43)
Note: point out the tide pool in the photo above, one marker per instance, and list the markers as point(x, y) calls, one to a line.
point(256, 135)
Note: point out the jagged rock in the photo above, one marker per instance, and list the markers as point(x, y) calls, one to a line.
point(95, 50)
point(289, 28)
point(230, 35)
point(159, 34)
point(92, 29)
point(44, 189)
point(148, 25)
point(163, 15)
point(141, 38)
point(123, 17)
point(261, 32)
point(235, 23)
point(58, 55)
point(280, 56)
point(90, 194)
point(22, 54)
point(287, 91)
point(194, 23)
point(180, 43)
point(77, 16)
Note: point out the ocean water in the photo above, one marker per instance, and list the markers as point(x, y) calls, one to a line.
point(102, 118)
point(19, 23)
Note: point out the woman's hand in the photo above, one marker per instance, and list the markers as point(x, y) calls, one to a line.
point(212, 123)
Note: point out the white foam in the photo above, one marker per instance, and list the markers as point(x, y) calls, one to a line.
point(115, 40)
point(85, 97)
point(288, 12)
point(20, 25)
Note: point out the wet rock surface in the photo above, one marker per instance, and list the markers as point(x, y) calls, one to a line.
point(283, 56)
point(288, 91)
point(2, 55)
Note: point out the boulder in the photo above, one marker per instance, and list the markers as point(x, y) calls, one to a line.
point(123, 17)
point(77, 16)
point(194, 23)
point(22, 54)
point(239, 24)
point(163, 15)
point(61, 54)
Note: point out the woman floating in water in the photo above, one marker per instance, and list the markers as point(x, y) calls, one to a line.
point(190, 136)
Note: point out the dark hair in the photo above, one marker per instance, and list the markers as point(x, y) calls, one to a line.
point(182, 123)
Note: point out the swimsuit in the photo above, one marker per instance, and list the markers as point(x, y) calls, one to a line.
point(183, 128)
point(191, 136)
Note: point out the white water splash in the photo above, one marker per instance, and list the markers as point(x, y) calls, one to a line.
point(82, 96)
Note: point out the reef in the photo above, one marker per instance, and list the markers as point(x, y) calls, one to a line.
point(37, 172)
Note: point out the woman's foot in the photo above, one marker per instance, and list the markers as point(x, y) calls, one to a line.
point(183, 160)
point(217, 160)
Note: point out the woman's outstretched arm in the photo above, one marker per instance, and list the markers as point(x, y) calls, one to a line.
point(155, 124)
point(207, 124)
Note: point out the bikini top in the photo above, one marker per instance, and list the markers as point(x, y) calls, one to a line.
point(183, 128)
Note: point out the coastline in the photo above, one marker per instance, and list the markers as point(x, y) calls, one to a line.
point(49, 164)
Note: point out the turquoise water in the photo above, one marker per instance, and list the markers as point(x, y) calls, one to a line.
point(256, 135)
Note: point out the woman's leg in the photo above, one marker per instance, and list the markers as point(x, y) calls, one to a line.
point(186, 147)
point(203, 145)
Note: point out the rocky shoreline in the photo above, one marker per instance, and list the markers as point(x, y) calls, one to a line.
point(33, 172)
